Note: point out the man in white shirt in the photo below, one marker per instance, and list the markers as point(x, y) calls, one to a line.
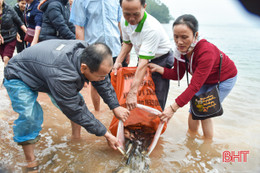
point(151, 43)
point(97, 21)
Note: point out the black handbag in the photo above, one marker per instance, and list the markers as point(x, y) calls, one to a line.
point(206, 105)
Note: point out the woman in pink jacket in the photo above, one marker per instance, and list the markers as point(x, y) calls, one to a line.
point(203, 64)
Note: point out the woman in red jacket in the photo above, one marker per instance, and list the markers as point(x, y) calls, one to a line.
point(203, 64)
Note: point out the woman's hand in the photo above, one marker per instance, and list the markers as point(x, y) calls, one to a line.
point(168, 113)
point(34, 42)
point(156, 68)
point(18, 38)
point(1, 40)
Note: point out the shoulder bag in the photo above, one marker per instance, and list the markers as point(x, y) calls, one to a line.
point(29, 35)
point(206, 105)
point(30, 31)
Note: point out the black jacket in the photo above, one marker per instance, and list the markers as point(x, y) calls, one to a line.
point(55, 21)
point(21, 16)
point(53, 66)
point(10, 22)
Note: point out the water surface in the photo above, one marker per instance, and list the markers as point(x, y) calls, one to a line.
point(237, 130)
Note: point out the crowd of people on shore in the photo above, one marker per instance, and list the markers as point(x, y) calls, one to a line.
point(62, 45)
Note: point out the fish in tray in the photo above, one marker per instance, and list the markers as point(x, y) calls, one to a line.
point(137, 142)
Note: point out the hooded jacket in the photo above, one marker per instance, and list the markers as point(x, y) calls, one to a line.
point(55, 21)
point(9, 23)
point(53, 67)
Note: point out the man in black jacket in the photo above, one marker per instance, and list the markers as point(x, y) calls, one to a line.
point(59, 68)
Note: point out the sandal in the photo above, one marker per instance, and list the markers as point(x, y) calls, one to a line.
point(32, 169)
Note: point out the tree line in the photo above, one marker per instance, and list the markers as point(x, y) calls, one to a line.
point(158, 10)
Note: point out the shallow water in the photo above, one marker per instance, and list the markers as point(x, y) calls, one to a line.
point(175, 151)
point(237, 130)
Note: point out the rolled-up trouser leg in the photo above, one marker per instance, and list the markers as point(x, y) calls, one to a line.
point(162, 85)
point(24, 101)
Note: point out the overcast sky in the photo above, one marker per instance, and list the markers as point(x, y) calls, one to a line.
point(212, 11)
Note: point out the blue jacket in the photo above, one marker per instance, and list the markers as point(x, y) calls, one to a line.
point(55, 21)
point(53, 66)
point(33, 15)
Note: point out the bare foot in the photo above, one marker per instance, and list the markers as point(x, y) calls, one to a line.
point(193, 134)
point(207, 140)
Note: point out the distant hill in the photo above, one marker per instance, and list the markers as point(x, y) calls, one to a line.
point(158, 10)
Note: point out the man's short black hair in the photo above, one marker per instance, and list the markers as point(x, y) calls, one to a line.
point(142, 2)
point(94, 55)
